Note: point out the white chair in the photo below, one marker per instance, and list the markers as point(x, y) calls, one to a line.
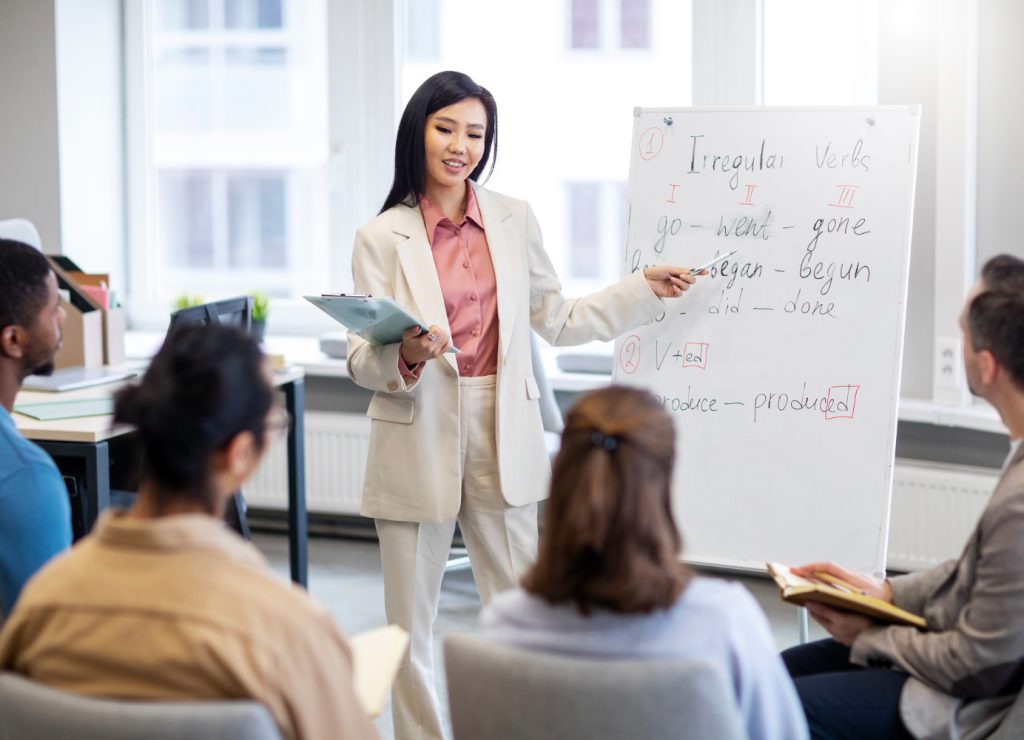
point(504, 693)
point(21, 230)
point(29, 710)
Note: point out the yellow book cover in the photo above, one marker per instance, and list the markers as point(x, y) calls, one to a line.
point(839, 594)
point(376, 655)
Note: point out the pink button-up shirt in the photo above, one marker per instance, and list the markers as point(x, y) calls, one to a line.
point(462, 258)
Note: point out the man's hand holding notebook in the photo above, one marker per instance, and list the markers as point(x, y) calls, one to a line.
point(826, 583)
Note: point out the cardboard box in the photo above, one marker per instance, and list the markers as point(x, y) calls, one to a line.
point(93, 336)
point(82, 344)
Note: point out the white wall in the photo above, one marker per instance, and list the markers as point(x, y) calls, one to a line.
point(908, 53)
point(29, 168)
point(1000, 123)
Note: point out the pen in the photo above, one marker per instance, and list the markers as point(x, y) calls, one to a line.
point(708, 264)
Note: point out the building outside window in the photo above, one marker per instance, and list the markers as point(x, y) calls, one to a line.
point(610, 24)
point(236, 149)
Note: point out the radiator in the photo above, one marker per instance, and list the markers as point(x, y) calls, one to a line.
point(934, 510)
point(336, 449)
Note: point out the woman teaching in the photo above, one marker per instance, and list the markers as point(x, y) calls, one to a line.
point(457, 437)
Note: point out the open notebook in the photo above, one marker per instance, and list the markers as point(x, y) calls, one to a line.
point(376, 655)
point(839, 594)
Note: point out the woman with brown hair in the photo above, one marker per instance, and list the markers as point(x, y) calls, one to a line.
point(608, 581)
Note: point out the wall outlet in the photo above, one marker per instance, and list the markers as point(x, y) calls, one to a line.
point(949, 364)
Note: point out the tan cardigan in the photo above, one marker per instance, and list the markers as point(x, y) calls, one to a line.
point(178, 609)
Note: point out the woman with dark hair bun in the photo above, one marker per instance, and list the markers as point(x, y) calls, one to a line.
point(163, 602)
point(608, 581)
point(458, 437)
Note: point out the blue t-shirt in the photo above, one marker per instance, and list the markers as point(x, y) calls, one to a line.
point(35, 517)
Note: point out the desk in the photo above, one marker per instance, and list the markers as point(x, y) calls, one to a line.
point(88, 439)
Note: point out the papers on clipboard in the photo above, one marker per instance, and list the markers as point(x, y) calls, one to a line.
point(377, 320)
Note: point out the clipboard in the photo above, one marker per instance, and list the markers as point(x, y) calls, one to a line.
point(377, 320)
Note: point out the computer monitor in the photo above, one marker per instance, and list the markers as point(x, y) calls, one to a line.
point(229, 312)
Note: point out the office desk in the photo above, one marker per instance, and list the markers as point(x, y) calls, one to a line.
point(88, 439)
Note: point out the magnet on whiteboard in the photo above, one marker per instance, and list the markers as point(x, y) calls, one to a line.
point(870, 120)
point(667, 120)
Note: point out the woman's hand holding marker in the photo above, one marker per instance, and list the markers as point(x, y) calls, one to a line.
point(667, 281)
point(703, 268)
point(671, 282)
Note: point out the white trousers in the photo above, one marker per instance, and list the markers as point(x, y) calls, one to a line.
point(501, 541)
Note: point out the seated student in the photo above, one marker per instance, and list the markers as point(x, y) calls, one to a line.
point(163, 602)
point(608, 581)
point(958, 678)
point(35, 518)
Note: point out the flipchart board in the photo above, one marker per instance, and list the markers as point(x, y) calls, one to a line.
point(781, 368)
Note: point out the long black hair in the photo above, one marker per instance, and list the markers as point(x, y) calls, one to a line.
point(437, 91)
point(205, 385)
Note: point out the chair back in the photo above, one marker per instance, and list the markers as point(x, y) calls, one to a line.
point(21, 230)
point(506, 693)
point(32, 710)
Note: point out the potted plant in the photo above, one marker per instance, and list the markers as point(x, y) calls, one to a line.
point(260, 309)
point(187, 301)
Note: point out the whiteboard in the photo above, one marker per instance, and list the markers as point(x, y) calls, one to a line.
point(781, 369)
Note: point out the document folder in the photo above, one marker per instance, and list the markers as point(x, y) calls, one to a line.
point(377, 320)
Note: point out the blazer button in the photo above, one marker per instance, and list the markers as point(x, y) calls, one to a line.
point(392, 386)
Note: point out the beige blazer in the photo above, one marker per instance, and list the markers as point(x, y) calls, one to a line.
point(413, 471)
point(967, 668)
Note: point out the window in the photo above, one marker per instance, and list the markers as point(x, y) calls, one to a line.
point(610, 24)
point(597, 225)
point(224, 220)
point(584, 229)
point(586, 30)
point(565, 138)
point(422, 34)
point(235, 152)
point(635, 24)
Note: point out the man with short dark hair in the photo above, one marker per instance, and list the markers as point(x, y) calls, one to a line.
point(957, 678)
point(35, 518)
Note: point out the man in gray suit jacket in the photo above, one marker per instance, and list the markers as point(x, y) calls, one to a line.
point(958, 678)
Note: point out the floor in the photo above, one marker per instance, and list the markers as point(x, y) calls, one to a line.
point(344, 574)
